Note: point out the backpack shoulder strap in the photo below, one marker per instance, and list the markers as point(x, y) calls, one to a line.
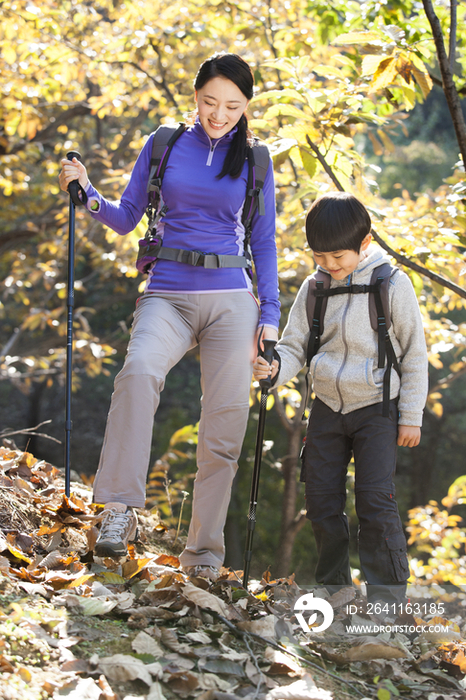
point(317, 306)
point(258, 164)
point(381, 277)
point(163, 141)
point(315, 310)
point(379, 312)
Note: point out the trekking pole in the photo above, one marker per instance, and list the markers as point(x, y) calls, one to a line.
point(73, 189)
point(265, 385)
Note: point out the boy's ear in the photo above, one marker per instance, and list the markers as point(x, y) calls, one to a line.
point(366, 241)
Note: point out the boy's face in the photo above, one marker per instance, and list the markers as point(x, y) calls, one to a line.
point(341, 263)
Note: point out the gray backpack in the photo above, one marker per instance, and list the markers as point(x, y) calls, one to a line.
point(379, 311)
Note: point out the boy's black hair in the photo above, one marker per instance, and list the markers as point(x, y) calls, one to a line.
point(337, 221)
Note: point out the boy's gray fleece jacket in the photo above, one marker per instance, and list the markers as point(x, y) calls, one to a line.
point(344, 372)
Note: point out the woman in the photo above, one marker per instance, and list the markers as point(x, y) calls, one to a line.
point(204, 188)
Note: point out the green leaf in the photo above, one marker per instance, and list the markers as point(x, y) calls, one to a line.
point(284, 110)
point(357, 38)
point(281, 64)
point(280, 149)
point(385, 74)
point(417, 281)
point(280, 94)
point(110, 577)
point(309, 162)
point(145, 658)
point(186, 434)
point(370, 63)
point(383, 694)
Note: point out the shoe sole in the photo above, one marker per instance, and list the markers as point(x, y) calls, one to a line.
point(109, 550)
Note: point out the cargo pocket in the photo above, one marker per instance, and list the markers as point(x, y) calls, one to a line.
point(302, 476)
point(397, 548)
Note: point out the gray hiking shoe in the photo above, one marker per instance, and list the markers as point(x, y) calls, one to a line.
point(119, 527)
point(202, 571)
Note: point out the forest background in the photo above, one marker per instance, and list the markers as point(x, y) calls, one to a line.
point(361, 96)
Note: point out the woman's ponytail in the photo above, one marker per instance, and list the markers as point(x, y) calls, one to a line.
point(234, 159)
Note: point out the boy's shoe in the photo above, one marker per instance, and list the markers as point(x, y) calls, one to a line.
point(119, 527)
point(202, 571)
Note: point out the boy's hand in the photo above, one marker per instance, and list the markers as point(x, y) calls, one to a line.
point(408, 436)
point(262, 369)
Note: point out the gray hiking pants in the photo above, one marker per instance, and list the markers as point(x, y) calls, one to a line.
point(165, 327)
point(371, 438)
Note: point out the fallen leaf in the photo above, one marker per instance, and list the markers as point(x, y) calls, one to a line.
point(368, 648)
point(81, 689)
point(168, 560)
point(134, 566)
point(281, 663)
point(304, 689)
point(264, 626)
point(107, 692)
point(96, 606)
point(204, 599)
point(170, 640)
point(342, 597)
point(5, 665)
point(122, 667)
point(143, 643)
point(182, 683)
point(200, 637)
point(155, 692)
point(224, 666)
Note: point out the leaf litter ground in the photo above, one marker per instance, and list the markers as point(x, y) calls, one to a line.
point(79, 627)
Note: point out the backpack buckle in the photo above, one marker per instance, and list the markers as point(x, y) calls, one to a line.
point(154, 184)
point(192, 257)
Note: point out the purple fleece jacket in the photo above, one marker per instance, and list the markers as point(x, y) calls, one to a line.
point(204, 214)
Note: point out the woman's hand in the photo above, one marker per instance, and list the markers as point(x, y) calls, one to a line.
point(72, 170)
point(265, 333)
point(262, 369)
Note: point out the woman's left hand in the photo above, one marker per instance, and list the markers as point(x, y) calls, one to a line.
point(268, 333)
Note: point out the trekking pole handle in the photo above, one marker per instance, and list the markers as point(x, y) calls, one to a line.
point(74, 186)
point(269, 345)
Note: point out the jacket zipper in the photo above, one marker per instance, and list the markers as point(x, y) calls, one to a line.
point(345, 355)
point(211, 151)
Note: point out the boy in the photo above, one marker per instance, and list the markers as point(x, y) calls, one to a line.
point(346, 415)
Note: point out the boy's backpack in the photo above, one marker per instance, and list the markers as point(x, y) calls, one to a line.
point(379, 311)
point(151, 246)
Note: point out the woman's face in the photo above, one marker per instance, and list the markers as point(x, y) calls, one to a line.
point(220, 105)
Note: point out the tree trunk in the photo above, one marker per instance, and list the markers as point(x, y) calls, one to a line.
point(291, 523)
point(445, 65)
point(424, 459)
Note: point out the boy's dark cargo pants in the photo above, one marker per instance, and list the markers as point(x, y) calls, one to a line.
point(371, 438)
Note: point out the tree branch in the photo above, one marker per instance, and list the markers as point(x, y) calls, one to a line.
point(448, 85)
point(453, 27)
point(325, 165)
point(49, 131)
point(164, 84)
point(448, 380)
point(461, 92)
point(29, 431)
point(406, 262)
point(11, 342)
